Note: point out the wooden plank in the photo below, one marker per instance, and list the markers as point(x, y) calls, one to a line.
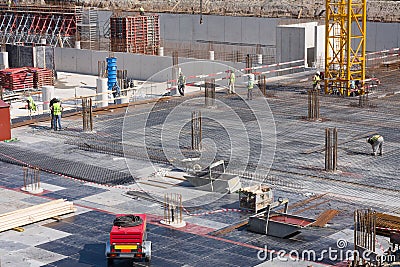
point(325, 217)
point(51, 209)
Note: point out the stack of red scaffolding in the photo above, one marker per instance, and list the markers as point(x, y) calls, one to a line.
point(135, 34)
point(24, 78)
point(16, 79)
point(42, 77)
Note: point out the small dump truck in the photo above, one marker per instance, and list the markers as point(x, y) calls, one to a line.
point(128, 239)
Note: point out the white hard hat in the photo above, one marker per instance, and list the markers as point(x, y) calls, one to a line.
point(318, 73)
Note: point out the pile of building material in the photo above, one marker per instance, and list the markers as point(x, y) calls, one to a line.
point(42, 77)
point(25, 78)
point(35, 213)
point(255, 198)
point(16, 79)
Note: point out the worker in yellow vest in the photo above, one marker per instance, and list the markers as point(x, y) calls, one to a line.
point(141, 11)
point(250, 86)
point(317, 81)
point(376, 142)
point(57, 110)
point(232, 82)
point(31, 105)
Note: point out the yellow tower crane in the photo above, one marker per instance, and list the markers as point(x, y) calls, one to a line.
point(345, 45)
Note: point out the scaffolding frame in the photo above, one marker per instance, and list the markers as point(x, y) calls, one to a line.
point(345, 45)
point(59, 25)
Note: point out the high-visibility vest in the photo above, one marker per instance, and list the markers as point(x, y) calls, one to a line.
point(181, 80)
point(32, 105)
point(316, 79)
point(57, 108)
point(375, 138)
point(232, 78)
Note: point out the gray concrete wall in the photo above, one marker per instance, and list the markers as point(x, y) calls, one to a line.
point(224, 29)
point(290, 43)
point(139, 67)
point(381, 36)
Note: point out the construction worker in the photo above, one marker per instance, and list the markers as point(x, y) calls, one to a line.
point(57, 110)
point(232, 82)
point(141, 11)
point(31, 105)
point(181, 84)
point(250, 86)
point(317, 81)
point(376, 142)
point(52, 101)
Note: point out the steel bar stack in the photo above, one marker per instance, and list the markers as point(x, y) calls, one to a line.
point(135, 34)
point(35, 213)
point(173, 208)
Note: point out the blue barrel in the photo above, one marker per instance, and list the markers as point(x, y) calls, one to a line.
point(112, 72)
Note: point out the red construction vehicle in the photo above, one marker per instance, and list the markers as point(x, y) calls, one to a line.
point(128, 239)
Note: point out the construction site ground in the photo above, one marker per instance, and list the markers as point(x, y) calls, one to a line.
point(107, 172)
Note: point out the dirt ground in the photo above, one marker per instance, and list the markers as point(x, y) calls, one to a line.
point(388, 11)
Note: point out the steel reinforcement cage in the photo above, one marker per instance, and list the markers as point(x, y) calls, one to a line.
point(135, 34)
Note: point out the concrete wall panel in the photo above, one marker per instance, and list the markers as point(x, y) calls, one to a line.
point(66, 59)
point(386, 36)
point(186, 28)
point(233, 30)
point(200, 30)
point(250, 31)
point(83, 57)
point(268, 31)
point(170, 27)
point(215, 28)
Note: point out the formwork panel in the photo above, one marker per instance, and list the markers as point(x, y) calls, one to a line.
point(135, 34)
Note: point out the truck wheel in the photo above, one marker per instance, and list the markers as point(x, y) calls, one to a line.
point(147, 259)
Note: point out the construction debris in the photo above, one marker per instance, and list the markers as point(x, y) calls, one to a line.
point(35, 213)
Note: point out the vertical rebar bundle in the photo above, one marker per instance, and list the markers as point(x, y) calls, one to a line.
point(101, 69)
point(249, 63)
point(87, 114)
point(364, 233)
point(196, 130)
point(31, 179)
point(313, 104)
point(262, 84)
point(363, 100)
point(210, 92)
point(122, 78)
point(331, 149)
point(173, 208)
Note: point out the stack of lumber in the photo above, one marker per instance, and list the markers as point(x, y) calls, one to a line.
point(16, 78)
point(42, 77)
point(35, 213)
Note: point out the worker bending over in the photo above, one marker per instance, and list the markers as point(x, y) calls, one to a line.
point(376, 142)
point(317, 81)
